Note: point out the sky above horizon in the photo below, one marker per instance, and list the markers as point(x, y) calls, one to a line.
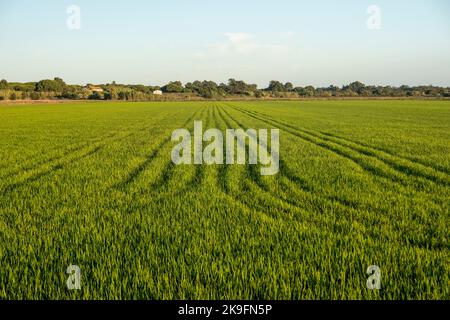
point(316, 43)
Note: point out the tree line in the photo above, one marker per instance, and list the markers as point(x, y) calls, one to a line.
point(58, 89)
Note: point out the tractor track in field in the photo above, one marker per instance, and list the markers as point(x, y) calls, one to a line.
point(59, 162)
point(223, 172)
point(222, 181)
point(199, 177)
point(223, 169)
point(31, 165)
point(365, 150)
point(157, 188)
point(362, 165)
point(374, 152)
point(169, 168)
point(342, 150)
point(137, 171)
point(440, 170)
point(164, 179)
point(254, 187)
point(294, 181)
point(200, 174)
point(66, 153)
point(190, 185)
point(293, 206)
point(54, 168)
point(262, 201)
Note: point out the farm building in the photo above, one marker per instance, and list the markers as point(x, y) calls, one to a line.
point(158, 92)
point(94, 88)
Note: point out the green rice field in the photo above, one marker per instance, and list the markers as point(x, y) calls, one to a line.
point(361, 183)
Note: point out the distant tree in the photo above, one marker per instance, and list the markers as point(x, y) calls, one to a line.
point(72, 92)
point(288, 87)
point(332, 89)
point(96, 96)
point(239, 87)
point(310, 91)
point(35, 96)
point(24, 87)
point(208, 89)
point(276, 86)
point(57, 85)
point(60, 84)
point(153, 88)
point(122, 95)
point(141, 88)
point(356, 87)
point(3, 84)
point(189, 87)
point(173, 87)
point(111, 93)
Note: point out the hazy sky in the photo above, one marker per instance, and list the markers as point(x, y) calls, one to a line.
point(151, 42)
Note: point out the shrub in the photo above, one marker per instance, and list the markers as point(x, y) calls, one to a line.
point(35, 96)
point(96, 96)
point(258, 94)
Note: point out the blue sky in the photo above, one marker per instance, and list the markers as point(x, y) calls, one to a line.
point(151, 42)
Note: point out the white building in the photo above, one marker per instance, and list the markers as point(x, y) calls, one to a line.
point(158, 92)
point(94, 88)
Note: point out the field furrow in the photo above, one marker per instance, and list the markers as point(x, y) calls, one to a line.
point(403, 165)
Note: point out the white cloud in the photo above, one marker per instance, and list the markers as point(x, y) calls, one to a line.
point(239, 37)
point(287, 34)
point(241, 44)
point(250, 56)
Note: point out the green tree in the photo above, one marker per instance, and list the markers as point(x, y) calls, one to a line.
point(173, 87)
point(57, 85)
point(96, 96)
point(356, 86)
point(310, 91)
point(258, 94)
point(35, 96)
point(240, 87)
point(288, 87)
point(276, 86)
point(3, 84)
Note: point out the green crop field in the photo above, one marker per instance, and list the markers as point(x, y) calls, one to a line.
point(92, 184)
